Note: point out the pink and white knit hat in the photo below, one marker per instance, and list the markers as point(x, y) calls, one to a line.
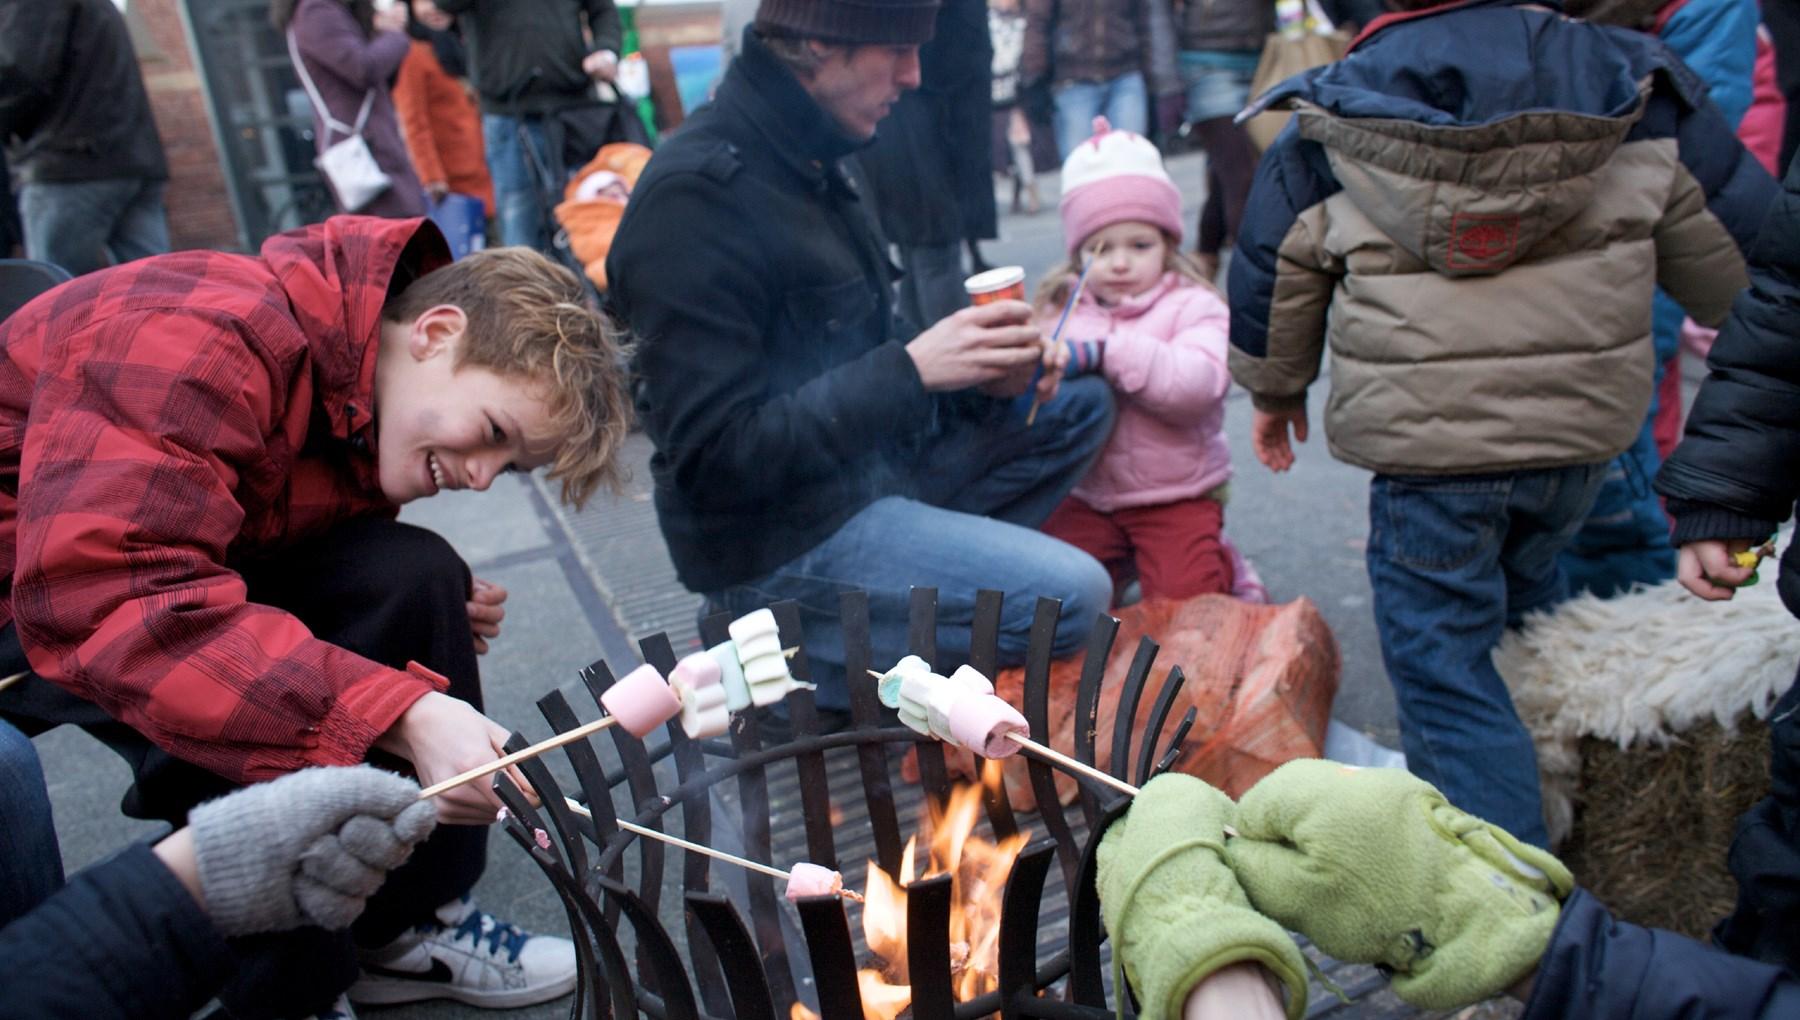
point(1113, 177)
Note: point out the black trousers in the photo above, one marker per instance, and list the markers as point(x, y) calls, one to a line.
point(1765, 853)
point(385, 590)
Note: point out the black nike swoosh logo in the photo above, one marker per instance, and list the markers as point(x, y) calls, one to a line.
point(438, 974)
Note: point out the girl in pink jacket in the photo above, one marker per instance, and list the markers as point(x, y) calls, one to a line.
point(1153, 506)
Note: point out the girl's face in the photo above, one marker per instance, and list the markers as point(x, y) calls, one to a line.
point(1132, 257)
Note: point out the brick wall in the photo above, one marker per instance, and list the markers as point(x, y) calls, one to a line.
point(199, 208)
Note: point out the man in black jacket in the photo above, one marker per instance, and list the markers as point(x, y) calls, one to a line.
point(84, 145)
point(1733, 479)
point(535, 71)
point(805, 446)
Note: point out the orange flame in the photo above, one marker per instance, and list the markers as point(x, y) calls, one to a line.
point(979, 868)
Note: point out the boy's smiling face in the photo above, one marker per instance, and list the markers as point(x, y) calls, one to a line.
point(439, 427)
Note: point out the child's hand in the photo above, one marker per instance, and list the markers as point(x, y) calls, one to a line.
point(485, 613)
point(1708, 568)
point(1269, 436)
point(1082, 356)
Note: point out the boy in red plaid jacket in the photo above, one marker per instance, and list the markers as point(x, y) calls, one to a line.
point(201, 457)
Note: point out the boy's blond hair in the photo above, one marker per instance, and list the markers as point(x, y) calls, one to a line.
point(530, 318)
point(1053, 289)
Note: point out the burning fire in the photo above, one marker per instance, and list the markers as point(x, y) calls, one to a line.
point(979, 868)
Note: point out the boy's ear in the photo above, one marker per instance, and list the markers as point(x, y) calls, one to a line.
point(437, 330)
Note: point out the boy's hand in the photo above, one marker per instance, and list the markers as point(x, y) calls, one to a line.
point(1269, 436)
point(977, 345)
point(485, 613)
point(444, 737)
point(1706, 568)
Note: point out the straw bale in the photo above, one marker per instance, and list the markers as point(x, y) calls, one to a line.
point(1652, 823)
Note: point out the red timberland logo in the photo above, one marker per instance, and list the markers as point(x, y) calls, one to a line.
point(1482, 241)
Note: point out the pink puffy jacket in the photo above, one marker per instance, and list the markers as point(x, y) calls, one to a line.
point(1165, 358)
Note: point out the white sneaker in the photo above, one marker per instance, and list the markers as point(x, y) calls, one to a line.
point(468, 956)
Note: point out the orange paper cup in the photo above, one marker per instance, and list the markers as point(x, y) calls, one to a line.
point(1006, 283)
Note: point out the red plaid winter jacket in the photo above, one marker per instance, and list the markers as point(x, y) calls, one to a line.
point(163, 418)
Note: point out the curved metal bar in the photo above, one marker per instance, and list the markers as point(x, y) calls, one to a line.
point(727, 937)
point(696, 825)
point(610, 991)
point(1176, 743)
point(815, 788)
point(928, 906)
point(866, 710)
point(1037, 712)
point(984, 656)
point(833, 957)
point(1159, 714)
point(654, 946)
point(1019, 924)
point(1087, 703)
point(753, 803)
point(921, 640)
point(1086, 931)
point(1125, 722)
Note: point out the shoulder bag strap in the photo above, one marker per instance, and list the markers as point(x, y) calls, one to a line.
point(318, 102)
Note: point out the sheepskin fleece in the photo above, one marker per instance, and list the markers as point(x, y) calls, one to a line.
point(1641, 669)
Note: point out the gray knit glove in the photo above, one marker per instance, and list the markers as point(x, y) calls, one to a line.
point(306, 849)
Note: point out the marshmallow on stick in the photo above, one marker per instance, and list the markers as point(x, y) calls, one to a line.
point(696, 681)
point(764, 662)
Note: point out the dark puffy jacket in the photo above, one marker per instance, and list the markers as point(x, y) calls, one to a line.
point(930, 167)
point(1736, 473)
point(1085, 40)
point(772, 384)
point(1225, 24)
point(526, 54)
point(71, 93)
point(123, 939)
point(1601, 968)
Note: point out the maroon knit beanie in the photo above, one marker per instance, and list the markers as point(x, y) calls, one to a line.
point(863, 22)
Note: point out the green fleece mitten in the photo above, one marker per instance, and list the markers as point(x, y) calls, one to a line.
point(1173, 909)
point(1375, 866)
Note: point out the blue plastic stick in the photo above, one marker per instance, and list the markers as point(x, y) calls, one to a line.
point(1056, 336)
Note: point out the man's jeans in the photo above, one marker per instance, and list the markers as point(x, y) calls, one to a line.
point(87, 225)
point(521, 178)
point(1454, 561)
point(1124, 101)
point(969, 525)
point(30, 862)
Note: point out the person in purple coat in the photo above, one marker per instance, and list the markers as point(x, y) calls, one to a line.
point(351, 52)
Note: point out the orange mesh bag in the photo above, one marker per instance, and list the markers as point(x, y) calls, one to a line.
point(591, 223)
point(1260, 678)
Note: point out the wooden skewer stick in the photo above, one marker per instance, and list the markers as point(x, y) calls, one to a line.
point(520, 755)
point(517, 756)
point(1056, 337)
point(677, 841)
point(15, 678)
point(1074, 764)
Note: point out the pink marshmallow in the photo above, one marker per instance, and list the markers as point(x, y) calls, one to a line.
point(641, 701)
point(808, 879)
point(696, 671)
point(981, 722)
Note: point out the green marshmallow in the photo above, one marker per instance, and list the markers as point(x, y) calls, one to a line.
point(1174, 910)
point(1375, 866)
point(888, 687)
point(731, 676)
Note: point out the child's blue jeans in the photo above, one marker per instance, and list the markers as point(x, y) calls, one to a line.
point(1454, 561)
